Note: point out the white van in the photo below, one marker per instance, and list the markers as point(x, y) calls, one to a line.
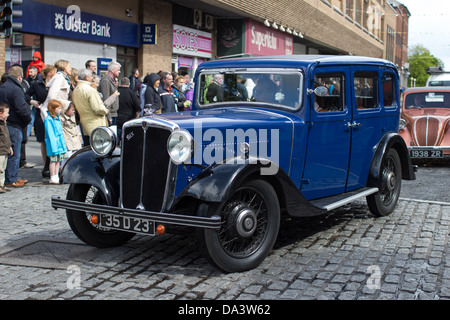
point(438, 77)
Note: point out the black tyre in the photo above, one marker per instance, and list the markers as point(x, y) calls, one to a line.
point(384, 201)
point(81, 225)
point(250, 223)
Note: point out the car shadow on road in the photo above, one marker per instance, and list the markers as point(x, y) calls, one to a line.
point(324, 228)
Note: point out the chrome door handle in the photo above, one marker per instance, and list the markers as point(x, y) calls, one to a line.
point(353, 125)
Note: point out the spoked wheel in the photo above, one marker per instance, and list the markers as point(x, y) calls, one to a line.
point(384, 201)
point(80, 222)
point(250, 223)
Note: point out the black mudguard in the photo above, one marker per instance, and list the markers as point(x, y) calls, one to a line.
point(390, 140)
point(86, 167)
point(216, 184)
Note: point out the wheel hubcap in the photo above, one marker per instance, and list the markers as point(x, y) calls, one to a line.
point(246, 222)
point(390, 181)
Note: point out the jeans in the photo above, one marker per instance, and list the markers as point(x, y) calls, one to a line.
point(34, 113)
point(12, 168)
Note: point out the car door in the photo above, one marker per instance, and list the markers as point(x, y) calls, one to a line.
point(368, 124)
point(329, 137)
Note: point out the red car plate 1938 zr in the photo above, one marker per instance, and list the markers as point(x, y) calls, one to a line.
point(426, 154)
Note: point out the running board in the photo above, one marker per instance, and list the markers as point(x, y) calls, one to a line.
point(333, 202)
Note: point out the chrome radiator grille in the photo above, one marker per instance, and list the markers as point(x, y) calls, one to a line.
point(427, 131)
point(145, 166)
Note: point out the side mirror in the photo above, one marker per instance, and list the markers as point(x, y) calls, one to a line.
point(321, 91)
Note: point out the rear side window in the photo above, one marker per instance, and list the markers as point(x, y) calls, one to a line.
point(388, 82)
point(366, 89)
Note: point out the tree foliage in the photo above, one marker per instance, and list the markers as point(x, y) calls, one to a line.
point(420, 58)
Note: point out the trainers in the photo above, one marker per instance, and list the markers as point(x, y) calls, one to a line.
point(28, 165)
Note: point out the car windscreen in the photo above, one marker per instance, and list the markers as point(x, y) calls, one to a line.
point(427, 100)
point(274, 87)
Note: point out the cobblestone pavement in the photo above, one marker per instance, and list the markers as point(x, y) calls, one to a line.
point(346, 255)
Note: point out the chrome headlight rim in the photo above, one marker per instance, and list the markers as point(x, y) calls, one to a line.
point(402, 124)
point(107, 139)
point(187, 146)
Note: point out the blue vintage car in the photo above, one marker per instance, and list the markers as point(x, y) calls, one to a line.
point(296, 135)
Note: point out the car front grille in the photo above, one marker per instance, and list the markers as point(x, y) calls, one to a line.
point(145, 166)
point(427, 131)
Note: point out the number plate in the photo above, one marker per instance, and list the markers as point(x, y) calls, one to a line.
point(426, 154)
point(124, 223)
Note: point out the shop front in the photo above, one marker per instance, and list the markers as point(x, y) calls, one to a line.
point(75, 35)
point(245, 37)
point(191, 47)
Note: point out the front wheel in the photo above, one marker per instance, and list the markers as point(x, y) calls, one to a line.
point(250, 223)
point(384, 201)
point(81, 225)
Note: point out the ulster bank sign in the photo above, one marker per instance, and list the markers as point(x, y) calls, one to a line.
point(72, 22)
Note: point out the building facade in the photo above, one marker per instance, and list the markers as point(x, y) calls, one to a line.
point(179, 35)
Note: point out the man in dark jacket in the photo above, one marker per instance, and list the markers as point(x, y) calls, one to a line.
point(12, 93)
point(167, 97)
point(134, 81)
point(129, 107)
point(215, 90)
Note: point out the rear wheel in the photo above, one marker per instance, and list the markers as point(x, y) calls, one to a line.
point(80, 222)
point(250, 223)
point(384, 201)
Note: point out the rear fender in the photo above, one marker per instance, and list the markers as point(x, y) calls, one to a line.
point(395, 141)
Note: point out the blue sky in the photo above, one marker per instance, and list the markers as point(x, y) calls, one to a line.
point(429, 25)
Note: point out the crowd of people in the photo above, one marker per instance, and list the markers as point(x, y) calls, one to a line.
point(64, 105)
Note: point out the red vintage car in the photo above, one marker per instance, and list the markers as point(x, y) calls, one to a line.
point(425, 122)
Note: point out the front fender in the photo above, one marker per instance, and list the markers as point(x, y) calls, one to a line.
point(217, 183)
point(86, 167)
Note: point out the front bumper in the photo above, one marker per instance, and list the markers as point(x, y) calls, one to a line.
point(213, 222)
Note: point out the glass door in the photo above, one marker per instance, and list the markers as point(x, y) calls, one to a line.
point(127, 57)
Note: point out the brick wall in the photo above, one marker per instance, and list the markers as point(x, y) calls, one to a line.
point(159, 56)
point(316, 20)
point(2, 56)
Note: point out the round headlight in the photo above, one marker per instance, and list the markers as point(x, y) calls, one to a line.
point(180, 146)
point(402, 124)
point(103, 141)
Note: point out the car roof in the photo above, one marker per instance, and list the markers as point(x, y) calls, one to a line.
point(427, 89)
point(439, 76)
point(301, 59)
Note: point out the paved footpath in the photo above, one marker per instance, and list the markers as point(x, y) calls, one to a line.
point(347, 255)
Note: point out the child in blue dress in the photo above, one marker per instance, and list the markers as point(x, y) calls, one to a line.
point(54, 139)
